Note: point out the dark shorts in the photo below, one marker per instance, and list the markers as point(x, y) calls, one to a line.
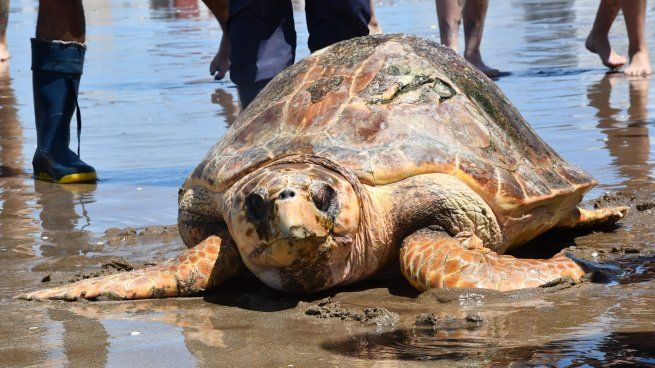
point(263, 36)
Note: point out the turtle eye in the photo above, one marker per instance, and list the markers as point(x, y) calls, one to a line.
point(324, 198)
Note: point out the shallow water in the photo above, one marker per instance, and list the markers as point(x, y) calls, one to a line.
point(151, 111)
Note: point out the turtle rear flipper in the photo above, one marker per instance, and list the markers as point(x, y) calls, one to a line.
point(434, 259)
point(198, 269)
point(583, 219)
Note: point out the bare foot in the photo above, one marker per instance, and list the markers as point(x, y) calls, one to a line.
point(601, 45)
point(4, 53)
point(639, 64)
point(476, 60)
point(221, 62)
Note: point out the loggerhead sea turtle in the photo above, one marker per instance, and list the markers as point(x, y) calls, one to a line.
point(375, 150)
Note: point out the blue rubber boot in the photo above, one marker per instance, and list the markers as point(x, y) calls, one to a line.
point(56, 72)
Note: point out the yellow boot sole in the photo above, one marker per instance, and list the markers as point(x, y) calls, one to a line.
point(89, 177)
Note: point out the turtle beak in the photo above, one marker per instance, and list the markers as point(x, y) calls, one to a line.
point(287, 215)
point(295, 217)
point(291, 227)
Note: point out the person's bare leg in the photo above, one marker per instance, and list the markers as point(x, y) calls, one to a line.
point(598, 39)
point(61, 20)
point(220, 65)
point(634, 12)
point(4, 19)
point(373, 25)
point(449, 15)
point(474, 13)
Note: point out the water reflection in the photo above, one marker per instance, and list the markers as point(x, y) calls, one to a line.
point(198, 330)
point(608, 350)
point(175, 9)
point(415, 344)
point(552, 12)
point(578, 325)
point(453, 337)
point(85, 341)
point(230, 106)
point(627, 137)
point(16, 224)
point(616, 349)
point(550, 33)
point(641, 269)
point(62, 227)
point(11, 132)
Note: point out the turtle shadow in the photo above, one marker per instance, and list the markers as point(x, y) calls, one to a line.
point(500, 75)
point(554, 241)
point(247, 292)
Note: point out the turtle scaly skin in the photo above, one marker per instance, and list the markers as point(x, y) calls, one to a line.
point(375, 150)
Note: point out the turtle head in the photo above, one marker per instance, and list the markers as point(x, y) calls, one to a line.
point(295, 225)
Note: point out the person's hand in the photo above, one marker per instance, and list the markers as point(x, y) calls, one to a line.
point(220, 65)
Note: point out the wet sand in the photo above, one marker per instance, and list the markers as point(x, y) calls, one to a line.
point(147, 125)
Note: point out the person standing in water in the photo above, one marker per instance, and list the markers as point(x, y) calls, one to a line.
point(57, 60)
point(4, 18)
point(634, 13)
point(353, 13)
point(450, 14)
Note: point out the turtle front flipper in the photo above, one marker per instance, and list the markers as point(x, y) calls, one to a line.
point(434, 259)
point(198, 269)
